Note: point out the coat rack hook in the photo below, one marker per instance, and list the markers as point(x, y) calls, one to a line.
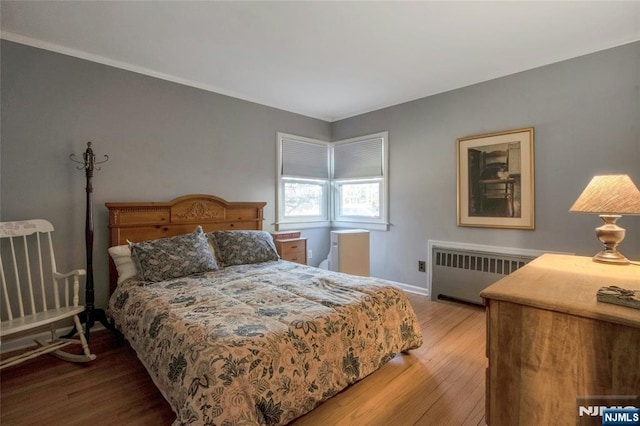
point(88, 159)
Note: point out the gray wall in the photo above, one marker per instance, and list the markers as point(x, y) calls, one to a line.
point(586, 115)
point(166, 140)
point(163, 139)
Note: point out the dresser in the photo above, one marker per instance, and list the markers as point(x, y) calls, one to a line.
point(291, 246)
point(549, 341)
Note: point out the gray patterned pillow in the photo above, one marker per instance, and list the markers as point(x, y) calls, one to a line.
point(173, 257)
point(243, 247)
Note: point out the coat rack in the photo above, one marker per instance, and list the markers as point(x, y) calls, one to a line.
point(91, 315)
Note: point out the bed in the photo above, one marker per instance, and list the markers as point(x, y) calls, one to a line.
point(237, 336)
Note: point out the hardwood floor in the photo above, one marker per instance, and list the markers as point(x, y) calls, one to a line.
point(440, 383)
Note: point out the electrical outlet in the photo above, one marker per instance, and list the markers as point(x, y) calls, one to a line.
point(422, 266)
point(309, 254)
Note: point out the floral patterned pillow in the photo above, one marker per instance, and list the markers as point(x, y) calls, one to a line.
point(173, 257)
point(243, 247)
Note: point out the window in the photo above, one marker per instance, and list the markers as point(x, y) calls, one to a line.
point(359, 199)
point(303, 182)
point(359, 180)
point(350, 176)
point(303, 199)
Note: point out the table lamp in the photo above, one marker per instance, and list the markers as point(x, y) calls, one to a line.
point(610, 196)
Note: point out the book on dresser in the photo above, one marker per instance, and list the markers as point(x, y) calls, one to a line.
point(291, 246)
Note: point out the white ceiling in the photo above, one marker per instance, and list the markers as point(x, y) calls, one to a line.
point(328, 60)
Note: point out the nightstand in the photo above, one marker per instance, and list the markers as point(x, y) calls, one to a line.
point(291, 246)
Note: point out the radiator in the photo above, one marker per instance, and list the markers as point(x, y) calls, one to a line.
point(460, 271)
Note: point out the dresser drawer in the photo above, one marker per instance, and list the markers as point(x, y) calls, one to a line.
point(294, 250)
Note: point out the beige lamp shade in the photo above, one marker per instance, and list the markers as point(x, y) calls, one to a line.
point(609, 194)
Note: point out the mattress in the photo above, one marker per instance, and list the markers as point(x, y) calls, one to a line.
point(261, 343)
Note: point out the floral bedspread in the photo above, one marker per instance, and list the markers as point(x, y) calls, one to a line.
point(262, 343)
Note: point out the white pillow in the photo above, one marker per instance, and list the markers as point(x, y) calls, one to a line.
point(121, 256)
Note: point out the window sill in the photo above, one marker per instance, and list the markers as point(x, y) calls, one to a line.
point(371, 226)
point(290, 226)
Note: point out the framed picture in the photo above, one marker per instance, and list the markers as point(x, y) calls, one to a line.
point(496, 180)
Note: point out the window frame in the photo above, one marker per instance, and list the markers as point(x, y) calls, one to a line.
point(324, 186)
point(284, 223)
point(331, 201)
point(381, 223)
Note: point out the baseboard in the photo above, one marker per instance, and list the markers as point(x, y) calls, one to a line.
point(413, 289)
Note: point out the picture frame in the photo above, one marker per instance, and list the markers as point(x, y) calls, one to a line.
point(496, 180)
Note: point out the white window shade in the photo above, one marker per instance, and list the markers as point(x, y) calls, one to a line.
point(304, 159)
point(360, 159)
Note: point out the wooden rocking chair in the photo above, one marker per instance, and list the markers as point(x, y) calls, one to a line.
point(33, 299)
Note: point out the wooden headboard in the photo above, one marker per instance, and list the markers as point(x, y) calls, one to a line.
point(152, 220)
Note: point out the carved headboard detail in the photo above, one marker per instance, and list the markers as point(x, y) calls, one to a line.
point(152, 220)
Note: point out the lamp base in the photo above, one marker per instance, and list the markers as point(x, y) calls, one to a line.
point(611, 235)
point(611, 257)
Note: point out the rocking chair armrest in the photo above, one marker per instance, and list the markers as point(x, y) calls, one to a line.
point(75, 272)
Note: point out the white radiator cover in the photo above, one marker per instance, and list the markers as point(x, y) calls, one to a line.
point(459, 271)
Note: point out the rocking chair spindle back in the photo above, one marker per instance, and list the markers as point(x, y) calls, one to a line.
point(35, 295)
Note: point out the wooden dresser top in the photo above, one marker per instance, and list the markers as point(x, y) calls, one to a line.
point(568, 284)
